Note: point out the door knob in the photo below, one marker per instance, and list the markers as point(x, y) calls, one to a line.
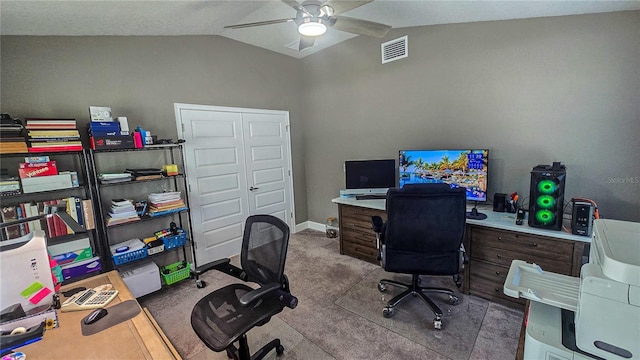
point(253, 188)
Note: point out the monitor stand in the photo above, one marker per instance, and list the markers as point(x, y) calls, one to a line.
point(474, 214)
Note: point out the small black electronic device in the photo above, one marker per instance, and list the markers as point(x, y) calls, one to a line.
point(499, 201)
point(520, 216)
point(582, 218)
point(94, 316)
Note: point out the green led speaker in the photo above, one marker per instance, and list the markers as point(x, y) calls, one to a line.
point(545, 201)
point(547, 186)
point(545, 217)
point(546, 196)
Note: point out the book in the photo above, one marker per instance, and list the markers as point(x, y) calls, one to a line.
point(53, 133)
point(9, 214)
point(87, 213)
point(54, 148)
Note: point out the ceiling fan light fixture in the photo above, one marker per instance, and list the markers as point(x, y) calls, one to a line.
point(312, 27)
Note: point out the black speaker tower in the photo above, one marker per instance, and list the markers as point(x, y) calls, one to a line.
point(546, 196)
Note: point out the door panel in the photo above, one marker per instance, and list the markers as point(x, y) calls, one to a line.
point(267, 162)
point(214, 154)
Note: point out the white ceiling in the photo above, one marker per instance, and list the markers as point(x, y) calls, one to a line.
point(188, 17)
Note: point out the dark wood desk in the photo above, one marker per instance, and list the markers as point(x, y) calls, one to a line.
point(137, 338)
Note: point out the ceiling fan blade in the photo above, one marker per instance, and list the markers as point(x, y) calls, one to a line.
point(259, 23)
point(296, 5)
point(342, 6)
point(306, 41)
point(360, 27)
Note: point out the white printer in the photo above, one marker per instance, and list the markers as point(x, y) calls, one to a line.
point(594, 316)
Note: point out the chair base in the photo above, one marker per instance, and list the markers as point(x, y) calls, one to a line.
point(414, 289)
point(242, 351)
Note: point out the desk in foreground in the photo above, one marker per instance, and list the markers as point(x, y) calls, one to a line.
point(136, 338)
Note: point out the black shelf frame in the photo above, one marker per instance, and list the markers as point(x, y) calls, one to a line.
point(178, 181)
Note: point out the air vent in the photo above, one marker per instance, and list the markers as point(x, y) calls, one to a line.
point(394, 50)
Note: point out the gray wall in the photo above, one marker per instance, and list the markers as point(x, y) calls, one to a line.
point(142, 77)
point(532, 91)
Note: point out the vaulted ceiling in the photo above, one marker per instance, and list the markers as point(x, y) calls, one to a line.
point(188, 17)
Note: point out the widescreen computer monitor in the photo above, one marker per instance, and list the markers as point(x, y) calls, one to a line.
point(465, 168)
point(370, 174)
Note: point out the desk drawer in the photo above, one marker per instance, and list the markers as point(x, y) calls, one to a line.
point(539, 246)
point(505, 257)
point(493, 291)
point(491, 272)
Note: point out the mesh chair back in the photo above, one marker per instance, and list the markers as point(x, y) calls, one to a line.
point(425, 228)
point(264, 249)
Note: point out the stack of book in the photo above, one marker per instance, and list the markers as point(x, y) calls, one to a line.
point(114, 178)
point(165, 203)
point(122, 211)
point(12, 139)
point(49, 135)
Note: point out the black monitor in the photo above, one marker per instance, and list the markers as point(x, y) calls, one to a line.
point(370, 174)
point(467, 168)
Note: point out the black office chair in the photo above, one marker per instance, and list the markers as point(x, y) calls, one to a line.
point(422, 236)
point(225, 316)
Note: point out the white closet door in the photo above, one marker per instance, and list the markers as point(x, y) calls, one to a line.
point(267, 163)
point(237, 164)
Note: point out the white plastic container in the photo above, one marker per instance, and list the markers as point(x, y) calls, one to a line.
point(141, 278)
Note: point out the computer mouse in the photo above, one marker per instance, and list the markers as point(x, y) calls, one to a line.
point(95, 315)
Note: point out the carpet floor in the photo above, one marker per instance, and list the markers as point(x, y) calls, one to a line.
point(339, 315)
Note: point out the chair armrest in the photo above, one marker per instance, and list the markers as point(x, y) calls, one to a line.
point(286, 299)
point(222, 265)
point(376, 224)
point(253, 295)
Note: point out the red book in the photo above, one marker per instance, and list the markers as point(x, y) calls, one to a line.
point(56, 149)
point(27, 170)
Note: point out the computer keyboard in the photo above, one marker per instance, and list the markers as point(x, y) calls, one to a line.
point(371, 196)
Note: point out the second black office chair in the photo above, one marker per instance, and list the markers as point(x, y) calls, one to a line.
point(422, 236)
point(224, 316)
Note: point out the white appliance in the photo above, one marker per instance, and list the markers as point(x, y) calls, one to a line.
point(605, 300)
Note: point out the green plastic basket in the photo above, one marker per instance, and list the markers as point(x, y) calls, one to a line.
point(175, 272)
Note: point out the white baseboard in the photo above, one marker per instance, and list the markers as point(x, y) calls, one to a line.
point(310, 225)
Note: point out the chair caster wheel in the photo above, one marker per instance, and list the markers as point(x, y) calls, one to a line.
point(437, 323)
point(387, 312)
point(279, 350)
point(381, 287)
point(454, 300)
point(200, 284)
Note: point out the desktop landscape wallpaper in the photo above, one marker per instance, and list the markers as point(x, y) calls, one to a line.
point(459, 168)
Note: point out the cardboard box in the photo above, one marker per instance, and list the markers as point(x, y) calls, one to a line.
point(46, 183)
point(81, 268)
point(141, 278)
point(73, 256)
point(111, 142)
point(27, 170)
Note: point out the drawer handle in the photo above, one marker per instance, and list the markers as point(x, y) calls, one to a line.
point(499, 256)
point(497, 289)
point(534, 244)
point(498, 273)
point(500, 238)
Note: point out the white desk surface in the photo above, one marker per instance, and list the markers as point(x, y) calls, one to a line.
point(502, 221)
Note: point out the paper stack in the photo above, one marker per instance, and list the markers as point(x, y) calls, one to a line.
point(165, 203)
point(113, 178)
point(122, 211)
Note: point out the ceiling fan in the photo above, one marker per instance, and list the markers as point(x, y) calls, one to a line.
point(313, 17)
